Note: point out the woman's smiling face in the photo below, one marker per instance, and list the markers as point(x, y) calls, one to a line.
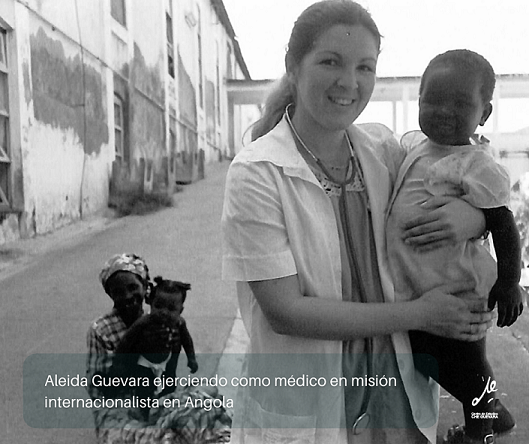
point(335, 80)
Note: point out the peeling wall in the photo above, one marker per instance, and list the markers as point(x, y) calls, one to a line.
point(187, 102)
point(67, 61)
point(55, 169)
point(148, 134)
point(9, 227)
point(74, 18)
point(67, 94)
point(147, 120)
point(211, 118)
point(187, 128)
point(66, 138)
point(146, 78)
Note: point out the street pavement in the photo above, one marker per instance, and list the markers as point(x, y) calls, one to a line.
point(49, 294)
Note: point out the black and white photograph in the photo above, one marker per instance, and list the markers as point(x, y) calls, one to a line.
point(264, 221)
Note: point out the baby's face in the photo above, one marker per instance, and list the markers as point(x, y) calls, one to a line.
point(170, 304)
point(451, 106)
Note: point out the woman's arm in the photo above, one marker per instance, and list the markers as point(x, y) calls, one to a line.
point(437, 312)
point(450, 220)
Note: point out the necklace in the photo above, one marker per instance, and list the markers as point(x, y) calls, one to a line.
point(363, 417)
point(350, 165)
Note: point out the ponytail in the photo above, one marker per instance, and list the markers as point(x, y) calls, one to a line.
point(278, 98)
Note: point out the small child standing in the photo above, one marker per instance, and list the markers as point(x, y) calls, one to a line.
point(448, 159)
point(168, 297)
point(141, 354)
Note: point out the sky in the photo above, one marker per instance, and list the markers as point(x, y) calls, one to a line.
point(414, 31)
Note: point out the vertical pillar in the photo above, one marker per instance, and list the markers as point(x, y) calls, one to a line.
point(231, 128)
point(405, 100)
point(496, 111)
point(394, 115)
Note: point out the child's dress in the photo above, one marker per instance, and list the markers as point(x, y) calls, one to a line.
point(469, 172)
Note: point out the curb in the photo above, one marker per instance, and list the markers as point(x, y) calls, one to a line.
point(19, 254)
point(231, 361)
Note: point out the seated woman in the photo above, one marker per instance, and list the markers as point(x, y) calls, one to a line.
point(140, 359)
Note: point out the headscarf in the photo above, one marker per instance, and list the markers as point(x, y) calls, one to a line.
point(124, 262)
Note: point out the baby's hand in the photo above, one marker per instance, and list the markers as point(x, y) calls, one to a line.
point(163, 334)
point(510, 302)
point(193, 365)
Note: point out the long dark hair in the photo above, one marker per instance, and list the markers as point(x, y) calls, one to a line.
point(312, 22)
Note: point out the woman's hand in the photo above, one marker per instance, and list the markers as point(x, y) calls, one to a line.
point(447, 220)
point(443, 314)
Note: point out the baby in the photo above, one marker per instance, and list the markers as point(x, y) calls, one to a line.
point(142, 355)
point(168, 297)
point(448, 159)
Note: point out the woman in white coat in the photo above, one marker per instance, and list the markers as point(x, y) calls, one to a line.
point(303, 225)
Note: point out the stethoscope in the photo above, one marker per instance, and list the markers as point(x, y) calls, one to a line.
point(363, 419)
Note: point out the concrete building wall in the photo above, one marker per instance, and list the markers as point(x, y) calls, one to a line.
point(207, 125)
point(186, 118)
point(11, 220)
point(70, 63)
point(58, 116)
point(148, 102)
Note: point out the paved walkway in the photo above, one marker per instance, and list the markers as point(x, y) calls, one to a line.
point(49, 293)
point(49, 290)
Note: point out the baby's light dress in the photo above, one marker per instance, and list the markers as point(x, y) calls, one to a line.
point(469, 172)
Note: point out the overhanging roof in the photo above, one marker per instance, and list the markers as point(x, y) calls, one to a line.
point(387, 89)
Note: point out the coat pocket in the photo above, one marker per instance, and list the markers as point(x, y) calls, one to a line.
point(273, 428)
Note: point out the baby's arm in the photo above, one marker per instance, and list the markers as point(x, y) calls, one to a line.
point(506, 291)
point(187, 343)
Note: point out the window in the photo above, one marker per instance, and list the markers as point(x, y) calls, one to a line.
point(199, 41)
point(118, 128)
point(229, 70)
point(5, 159)
point(117, 10)
point(172, 144)
point(217, 75)
point(170, 45)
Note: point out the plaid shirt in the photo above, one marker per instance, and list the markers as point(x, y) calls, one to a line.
point(176, 425)
point(102, 339)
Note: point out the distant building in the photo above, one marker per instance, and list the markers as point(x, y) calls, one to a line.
point(98, 96)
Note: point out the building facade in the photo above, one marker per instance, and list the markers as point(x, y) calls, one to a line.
point(99, 97)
